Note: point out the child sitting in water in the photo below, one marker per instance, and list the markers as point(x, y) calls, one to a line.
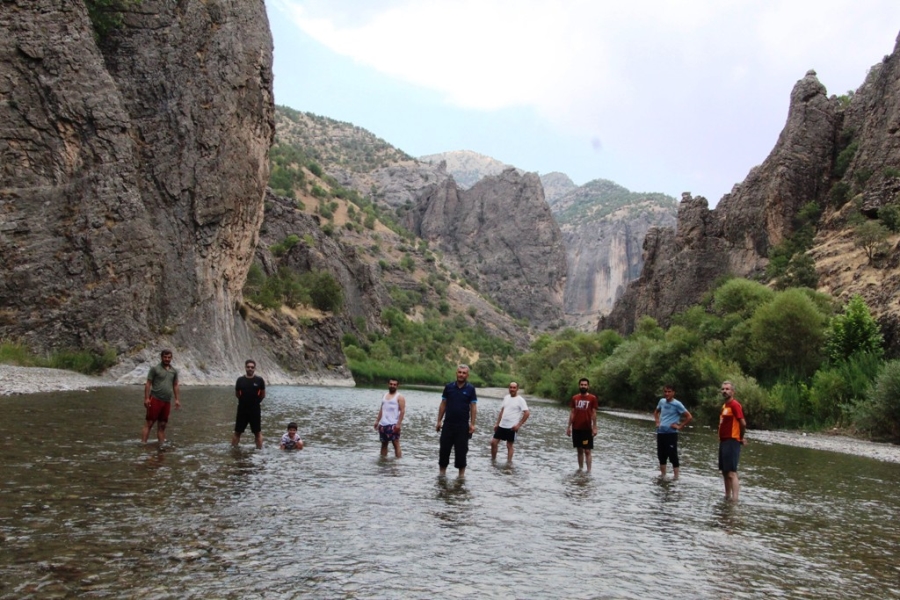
point(290, 440)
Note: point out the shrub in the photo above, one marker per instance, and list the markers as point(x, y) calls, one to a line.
point(741, 296)
point(106, 15)
point(879, 414)
point(842, 163)
point(786, 336)
point(854, 331)
point(872, 237)
point(889, 216)
point(285, 245)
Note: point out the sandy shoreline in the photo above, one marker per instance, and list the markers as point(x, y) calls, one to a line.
point(31, 380)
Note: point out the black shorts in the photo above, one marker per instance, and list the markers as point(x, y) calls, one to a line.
point(667, 448)
point(506, 434)
point(583, 438)
point(248, 415)
point(729, 455)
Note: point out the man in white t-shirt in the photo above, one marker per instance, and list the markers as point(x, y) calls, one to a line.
point(513, 414)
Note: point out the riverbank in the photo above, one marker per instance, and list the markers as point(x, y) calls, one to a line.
point(831, 442)
point(33, 380)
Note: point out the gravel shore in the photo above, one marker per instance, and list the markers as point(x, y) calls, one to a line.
point(31, 380)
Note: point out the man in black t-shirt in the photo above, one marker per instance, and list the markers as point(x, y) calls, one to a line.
point(250, 390)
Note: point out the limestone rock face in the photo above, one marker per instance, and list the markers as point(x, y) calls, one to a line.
point(503, 235)
point(556, 185)
point(603, 226)
point(847, 145)
point(133, 174)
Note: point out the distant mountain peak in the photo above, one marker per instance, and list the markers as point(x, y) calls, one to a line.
point(468, 167)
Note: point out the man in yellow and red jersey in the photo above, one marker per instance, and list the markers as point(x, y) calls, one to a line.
point(731, 437)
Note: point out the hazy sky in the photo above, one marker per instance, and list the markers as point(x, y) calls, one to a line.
point(663, 96)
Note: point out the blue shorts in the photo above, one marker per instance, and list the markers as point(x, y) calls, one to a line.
point(387, 434)
point(729, 455)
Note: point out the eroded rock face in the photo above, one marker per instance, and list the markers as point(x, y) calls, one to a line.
point(734, 238)
point(133, 175)
point(503, 235)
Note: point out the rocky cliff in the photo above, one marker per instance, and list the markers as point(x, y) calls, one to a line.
point(466, 167)
point(842, 154)
point(504, 238)
point(133, 173)
point(603, 227)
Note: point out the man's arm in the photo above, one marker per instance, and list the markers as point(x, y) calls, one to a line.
point(378, 418)
point(594, 420)
point(401, 401)
point(743, 424)
point(473, 410)
point(656, 415)
point(176, 387)
point(262, 389)
point(525, 414)
point(686, 418)
point(441, 410)
point(571, 418)
point(147, 386)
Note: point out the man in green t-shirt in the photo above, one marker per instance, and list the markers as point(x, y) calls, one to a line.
point(160, 389)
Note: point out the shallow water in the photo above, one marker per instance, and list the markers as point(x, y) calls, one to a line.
point(87, 511)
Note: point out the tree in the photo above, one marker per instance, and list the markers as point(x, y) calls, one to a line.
point(854, 331)
point(741, 296)
point(872, 237)
point(786, 336)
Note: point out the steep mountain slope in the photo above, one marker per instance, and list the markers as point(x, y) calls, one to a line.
point(133, 177)
point(839, 155)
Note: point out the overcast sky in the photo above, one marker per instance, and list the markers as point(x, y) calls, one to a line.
point(658, 96)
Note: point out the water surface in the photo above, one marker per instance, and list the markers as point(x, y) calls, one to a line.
point(87, 511)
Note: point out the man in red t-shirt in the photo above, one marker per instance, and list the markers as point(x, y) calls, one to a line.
point(583, 423)
point(731, 437)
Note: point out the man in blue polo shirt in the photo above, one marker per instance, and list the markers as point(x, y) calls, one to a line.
point(456, 420)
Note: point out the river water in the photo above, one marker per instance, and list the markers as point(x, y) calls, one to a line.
point(87, 511)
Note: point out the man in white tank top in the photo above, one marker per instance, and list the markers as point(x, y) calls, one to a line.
point(390, 418)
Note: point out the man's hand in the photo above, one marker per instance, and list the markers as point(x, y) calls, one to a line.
point(147, 402)
point(437, 427)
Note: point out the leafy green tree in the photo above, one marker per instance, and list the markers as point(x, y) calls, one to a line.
point(879, 414)
point(741, 296)
point(872, 237)
point(854, 331)
point(786, 336)
point(889, 215)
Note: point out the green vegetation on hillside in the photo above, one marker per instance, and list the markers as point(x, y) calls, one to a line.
point(600, 198)
point(796, 361)
point(82, 361)
point(333, 143)
point(106, 15)
point(428, 352)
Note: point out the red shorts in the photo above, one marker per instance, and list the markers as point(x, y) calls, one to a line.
point(158, 410)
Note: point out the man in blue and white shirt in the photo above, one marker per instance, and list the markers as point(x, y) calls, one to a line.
point(671, 417)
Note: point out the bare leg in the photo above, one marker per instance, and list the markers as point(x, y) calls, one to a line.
point(676, 472)
point(235, 439)
point(587, 459)
point(384, 448)
point(145, 432)
point(494, 443)
point(509, 451)
point(397, 452)
point(443, 471)
point(662, 470)
point(259, 441)
point(161, 432)
point(735, 486)
point(581, 458)
point(462, 472)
